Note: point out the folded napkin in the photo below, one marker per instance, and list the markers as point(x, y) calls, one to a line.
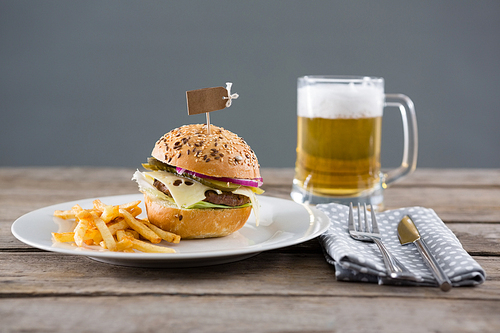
point(361, 261)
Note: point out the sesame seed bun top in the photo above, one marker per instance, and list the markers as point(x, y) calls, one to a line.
point(218, 154)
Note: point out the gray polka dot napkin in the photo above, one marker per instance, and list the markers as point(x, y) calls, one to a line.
point(360, 261)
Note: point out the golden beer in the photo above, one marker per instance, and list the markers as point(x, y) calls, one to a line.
point(339, 138)
point(338, 156)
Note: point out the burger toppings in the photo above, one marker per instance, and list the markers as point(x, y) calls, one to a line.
point(256, 182)
point(154, 164)
point(225, 198)
point(180, 194)
point(193, 169)
point(186, 193)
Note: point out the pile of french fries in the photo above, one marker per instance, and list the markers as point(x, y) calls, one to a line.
point(115, 228)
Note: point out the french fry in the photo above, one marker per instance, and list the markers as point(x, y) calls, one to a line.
point(80, 230)
point(105, 233)
point(130, 205)
point(79, 210)
point(125, 246)
point(135, 211)
point(113, 228)
point(100, 224)
point(120, 234)
point(165, 235)
point(110, 213)
point(91, 233)
point(85, 215)
point(132, 233)
point(64, 237)
point(76, 209)
point(98, 204)
point(97, 238)
point(147, 247)
point(123, 242)
point(92, 236)
point(64, 214)
point(140, 227)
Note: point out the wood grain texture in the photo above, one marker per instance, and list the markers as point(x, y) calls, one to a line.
point(233, 313)
point(421, 177)
point(290, 289)
point(271, 273)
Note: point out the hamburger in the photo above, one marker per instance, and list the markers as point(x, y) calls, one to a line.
point(200, 184)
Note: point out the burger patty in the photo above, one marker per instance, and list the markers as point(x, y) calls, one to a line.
point(225, 198)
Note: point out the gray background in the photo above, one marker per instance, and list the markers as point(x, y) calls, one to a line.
point(98, 82)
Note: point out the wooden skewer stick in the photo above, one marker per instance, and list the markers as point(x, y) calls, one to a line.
point(208, 122)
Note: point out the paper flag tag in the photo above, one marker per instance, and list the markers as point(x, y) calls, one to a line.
point(206, 100)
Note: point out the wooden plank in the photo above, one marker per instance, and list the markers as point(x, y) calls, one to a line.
point(452, 205)
point(277, 176)
point(30, 176)
point(421, 177)
point(457, 195)
point(478, 238)
point(452, 178)
point(22, 175)
point(465, 205)
point(27, 190)
point(270, 273)
point(290, 289)
point(216, 313)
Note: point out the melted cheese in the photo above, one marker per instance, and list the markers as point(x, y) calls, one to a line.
point(186, 192)
point(186, 195)
point(146, 186)
point(246, 191)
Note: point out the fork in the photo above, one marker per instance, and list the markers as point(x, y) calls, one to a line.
point(363, 233)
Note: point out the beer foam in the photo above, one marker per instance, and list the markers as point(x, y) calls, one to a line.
point(324, 100)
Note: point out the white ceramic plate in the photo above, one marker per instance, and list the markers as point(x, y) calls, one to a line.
point(283, 223)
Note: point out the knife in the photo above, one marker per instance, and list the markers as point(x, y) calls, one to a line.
point(408, 233)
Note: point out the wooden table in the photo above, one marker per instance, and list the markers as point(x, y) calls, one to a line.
point(290, 289)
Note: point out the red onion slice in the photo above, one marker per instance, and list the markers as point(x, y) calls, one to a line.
point(255, 182)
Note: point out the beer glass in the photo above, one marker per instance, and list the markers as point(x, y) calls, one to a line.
point(339, 140)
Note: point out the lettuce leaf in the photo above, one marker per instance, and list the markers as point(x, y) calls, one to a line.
point(209, 205)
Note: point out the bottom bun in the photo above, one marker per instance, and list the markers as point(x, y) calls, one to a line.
point(195, 223)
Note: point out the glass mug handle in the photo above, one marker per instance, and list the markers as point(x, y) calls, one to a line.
point(410, 134)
